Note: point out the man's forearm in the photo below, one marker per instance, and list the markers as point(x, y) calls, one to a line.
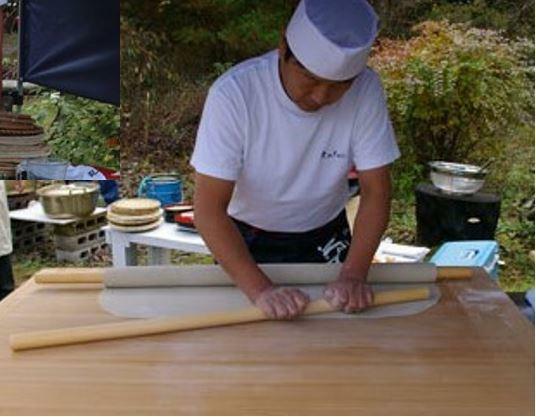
point(228, 247)
point(369, 225)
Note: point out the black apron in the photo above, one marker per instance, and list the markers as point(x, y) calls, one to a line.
point(7, 283)
point(326, 244)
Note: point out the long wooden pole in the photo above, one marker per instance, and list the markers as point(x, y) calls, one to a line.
point(133, 328)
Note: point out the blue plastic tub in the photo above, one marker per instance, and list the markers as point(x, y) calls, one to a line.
point(477, 253)
point(166, 188)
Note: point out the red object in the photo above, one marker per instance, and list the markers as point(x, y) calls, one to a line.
point(110, 174)
point(185, 219)
point(171, 210)
point(353, 175)
point(113, 142)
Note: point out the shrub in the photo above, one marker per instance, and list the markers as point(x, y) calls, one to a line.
point(78, 129)
point(514, 17)
point(201, 32)
point(454, 92)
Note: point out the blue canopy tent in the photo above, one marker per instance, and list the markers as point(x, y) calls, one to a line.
point(71, 46)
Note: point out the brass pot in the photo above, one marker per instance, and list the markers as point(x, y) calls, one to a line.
point(64, 201)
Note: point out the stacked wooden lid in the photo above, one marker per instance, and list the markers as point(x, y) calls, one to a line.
point(20, 138)
point(135, 214)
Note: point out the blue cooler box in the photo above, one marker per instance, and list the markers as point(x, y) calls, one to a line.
point(477, 253)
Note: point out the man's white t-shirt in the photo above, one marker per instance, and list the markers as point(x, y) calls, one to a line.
point(289, 166)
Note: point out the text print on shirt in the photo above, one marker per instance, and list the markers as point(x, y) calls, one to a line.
point(332, 155)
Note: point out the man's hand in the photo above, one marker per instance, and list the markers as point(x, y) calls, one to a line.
point(282, 303)
point(348, 295)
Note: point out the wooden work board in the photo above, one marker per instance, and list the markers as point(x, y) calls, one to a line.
point(472, 353)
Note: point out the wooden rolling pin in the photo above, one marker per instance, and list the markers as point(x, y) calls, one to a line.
point(132, 328)
point(300, 274)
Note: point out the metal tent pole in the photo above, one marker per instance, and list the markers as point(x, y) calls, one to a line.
point(20, 88)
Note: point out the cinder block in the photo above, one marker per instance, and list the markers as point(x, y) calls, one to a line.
point(79, 255)
point(28, 243)
point(81, 226)
point(20, 229)
point(81, 241)
point(20, 201)
point(29, 235)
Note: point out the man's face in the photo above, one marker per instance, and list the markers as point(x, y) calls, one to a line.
point(309, 92)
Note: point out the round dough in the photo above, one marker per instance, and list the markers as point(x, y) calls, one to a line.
point(140, 228)
point(135, 206)
point(124, 220)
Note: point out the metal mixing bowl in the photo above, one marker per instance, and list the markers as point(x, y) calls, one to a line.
point(455, 178)
point(64, 201)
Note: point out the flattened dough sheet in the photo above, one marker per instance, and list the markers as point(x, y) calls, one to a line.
point(151, 302)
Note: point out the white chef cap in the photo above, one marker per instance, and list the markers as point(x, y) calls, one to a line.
point(332, 38)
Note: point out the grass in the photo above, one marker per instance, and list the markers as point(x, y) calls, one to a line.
point(512, 176)
point(27, 263)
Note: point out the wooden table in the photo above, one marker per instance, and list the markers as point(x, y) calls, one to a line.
point(473, 353)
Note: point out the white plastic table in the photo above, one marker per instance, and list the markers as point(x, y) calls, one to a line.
point(35, 213)
point(159, 242)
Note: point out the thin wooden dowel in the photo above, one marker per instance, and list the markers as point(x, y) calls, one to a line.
point(133, 328)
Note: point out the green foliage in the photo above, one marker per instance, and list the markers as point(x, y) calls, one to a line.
point(200, 32)
point(145, 64)
point(454, 92)
point(254, 32)
point(514, 17)
point(206, 31)
point(9, 68)
point(513, 170)
point(76, 128)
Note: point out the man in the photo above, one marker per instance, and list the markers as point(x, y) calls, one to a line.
point(6, 274)
point(278, 135)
